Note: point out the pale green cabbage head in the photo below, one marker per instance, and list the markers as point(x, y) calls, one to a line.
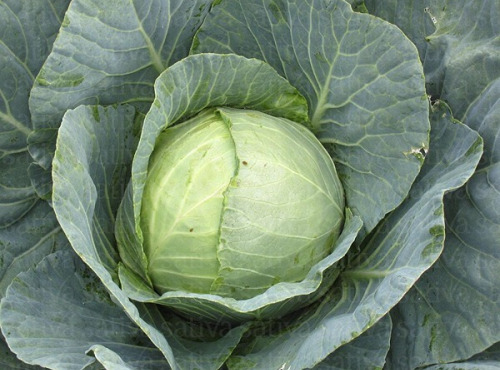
point(236, 201)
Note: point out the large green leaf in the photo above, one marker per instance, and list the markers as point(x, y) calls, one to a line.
point(415, 17)
point(27, 242)
point(458, 40)
point(111, 52)
point(17, 195)
point(26, 36)
point(361, 77)
point(406, 243)
point(56, 313)
point(472, 365)
point(368, 351)
point(464, 56)
point(108, 170)
point(106, 53)
point(28, 229)
point(487, 360)
point(8, 360)
point(461, 60)
point(94, 143)
point(453, 309)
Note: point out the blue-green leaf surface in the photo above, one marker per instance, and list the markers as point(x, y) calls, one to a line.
point(406, 243)
point(90, 140)
point(458, 40)
point(8, 360)
point(108, 358)
point(111, 52)
point(105, 170)
point(461, 55)
point(17, 195)
point(106, 53)
point(487, 360)
point(368, 351)
point(415, 18)
point(27, 242)
point(58, 311)
point(26, 36)
point(361, 77)
point(453, 309)
point(473, 365)
point(41, 146)
point(28, 228)
point(464, 56)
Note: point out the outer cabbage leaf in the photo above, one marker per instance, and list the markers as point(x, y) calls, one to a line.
point(415, 18)
point(473, 365)
point(94, 143)
point(41, 146)
point(27, 242)
point(406, 243)
point(487, 360)
point(111, 52)
point(106, 53)
point(464, 56)
point(453, 309)
point(368, 351)
point(8, 360)
point(361, 77)
point(108, 169)
point(461, 55)
point(28, 229)
point(26, 37)
point(57, 312)
point(458, 40)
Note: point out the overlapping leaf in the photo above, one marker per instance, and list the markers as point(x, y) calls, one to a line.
point(28, 228)
point(459, 44)
point(488, 360)
point(26, 36)
point(112, 52)
point(56, 313)
point(107, 53)
point(368, 351)
point(458, 40)
point(453, 309)
point(24, 244)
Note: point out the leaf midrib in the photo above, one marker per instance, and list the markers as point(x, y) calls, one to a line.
point(155, 56)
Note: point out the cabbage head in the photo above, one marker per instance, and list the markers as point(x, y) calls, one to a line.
point(236, 201)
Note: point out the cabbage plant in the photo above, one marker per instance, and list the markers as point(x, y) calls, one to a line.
point(249, 184)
